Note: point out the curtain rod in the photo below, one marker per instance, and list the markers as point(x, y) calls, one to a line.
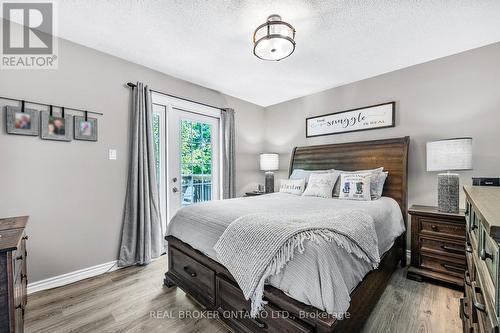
point(132, 85)
point(49, 105)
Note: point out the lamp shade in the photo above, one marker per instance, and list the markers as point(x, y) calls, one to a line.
point(269, 162)
point(449, 154)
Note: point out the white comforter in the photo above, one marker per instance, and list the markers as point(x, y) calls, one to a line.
point(325, 274)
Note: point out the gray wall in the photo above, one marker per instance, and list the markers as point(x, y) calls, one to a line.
point(450, 97)
point(74, 195)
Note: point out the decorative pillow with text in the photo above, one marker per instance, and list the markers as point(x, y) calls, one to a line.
point(321, 185)
point(355, 186)
point(292, 186)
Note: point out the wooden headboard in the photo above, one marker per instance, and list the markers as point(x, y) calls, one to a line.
point(392, 154)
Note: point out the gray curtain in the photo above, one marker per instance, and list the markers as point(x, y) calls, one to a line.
point(142, 234)
point(228, 155)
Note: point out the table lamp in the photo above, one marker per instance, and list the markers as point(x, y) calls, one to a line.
point(449, 155)
point(269, 162)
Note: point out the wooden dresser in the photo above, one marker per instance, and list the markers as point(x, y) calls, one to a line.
point(13, 278)
point(437, 245)
point(480, 306)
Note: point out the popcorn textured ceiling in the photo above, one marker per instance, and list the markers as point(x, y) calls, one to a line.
point(338, 42)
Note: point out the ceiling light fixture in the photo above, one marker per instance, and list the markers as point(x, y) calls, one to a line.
point(274, 40)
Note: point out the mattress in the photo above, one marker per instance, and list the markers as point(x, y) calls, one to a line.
point(325, 274)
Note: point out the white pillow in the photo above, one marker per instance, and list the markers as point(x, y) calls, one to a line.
point(321, 185)
point(355, 186)
point(293, 186)
point(304, 174)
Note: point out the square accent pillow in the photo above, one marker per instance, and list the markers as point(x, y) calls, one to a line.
point(373, 172)
point(355, 186)
point(321, 185)
point(304, 174)
point(292, 186)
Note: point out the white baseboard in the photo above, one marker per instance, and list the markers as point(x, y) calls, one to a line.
point(71, 277)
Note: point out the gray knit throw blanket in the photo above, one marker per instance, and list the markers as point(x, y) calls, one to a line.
point(257, 246)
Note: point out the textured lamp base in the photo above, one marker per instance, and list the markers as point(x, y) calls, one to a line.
point(269, 182)
point(448, 192)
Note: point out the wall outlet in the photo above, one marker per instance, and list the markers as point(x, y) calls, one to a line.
point(112, 154)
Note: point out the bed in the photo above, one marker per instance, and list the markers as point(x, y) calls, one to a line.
point(195, 269)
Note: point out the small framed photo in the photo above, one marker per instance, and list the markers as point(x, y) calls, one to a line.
point(85, 129)
point(22, 123)
point(56, 127)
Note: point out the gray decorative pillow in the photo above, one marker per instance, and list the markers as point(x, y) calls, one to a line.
point(321, 185)
point(304, 174)
point(377, 184)
point(373, 172)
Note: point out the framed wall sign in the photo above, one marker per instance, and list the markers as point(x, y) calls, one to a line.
point(361, 119)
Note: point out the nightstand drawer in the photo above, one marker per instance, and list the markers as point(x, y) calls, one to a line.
point(438, 228)
point(443, 247)
point(455, 268)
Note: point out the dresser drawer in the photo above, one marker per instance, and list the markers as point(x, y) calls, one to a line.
point(482, 315)
point(191, 272)
point(489, 254)
point(443, 247)
point(236, 310)
point(443, 265)
point(437, 228)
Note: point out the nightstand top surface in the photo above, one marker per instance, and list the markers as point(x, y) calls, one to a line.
point(433, 211)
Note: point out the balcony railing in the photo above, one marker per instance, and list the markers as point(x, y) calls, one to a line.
point(196, 188)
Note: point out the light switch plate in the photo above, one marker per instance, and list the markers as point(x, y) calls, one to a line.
point(112, 154)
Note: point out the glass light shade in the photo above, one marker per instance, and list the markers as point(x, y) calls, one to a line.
point(449, 154)
point(269, 162)
point(274, 40)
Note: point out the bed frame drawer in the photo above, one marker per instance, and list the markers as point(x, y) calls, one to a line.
point(231, 303)
point(192, 275)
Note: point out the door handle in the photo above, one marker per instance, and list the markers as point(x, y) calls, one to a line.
point(175, 189)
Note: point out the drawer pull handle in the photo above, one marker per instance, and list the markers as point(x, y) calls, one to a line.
point(463, 304)
point(468, 247)
point(467, 277)
point(452, 249)
point(25, 237)
point(485, 255)
point(20, 257)
point(452, 268)
point(189, 271)
point(473, 227)
point(434, 227)
point(475, 289)
point(23, 276)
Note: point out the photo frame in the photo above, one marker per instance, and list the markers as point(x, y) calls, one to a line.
point(56, 127)
point(22, 123)
point(353, 120)
point(85, 129)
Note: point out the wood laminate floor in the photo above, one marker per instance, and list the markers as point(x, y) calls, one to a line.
point(123, 301)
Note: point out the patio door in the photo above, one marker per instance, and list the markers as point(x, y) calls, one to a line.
point(191, 164)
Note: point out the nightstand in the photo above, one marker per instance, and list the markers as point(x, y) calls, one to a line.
point(437, 245)
point(254, 194)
